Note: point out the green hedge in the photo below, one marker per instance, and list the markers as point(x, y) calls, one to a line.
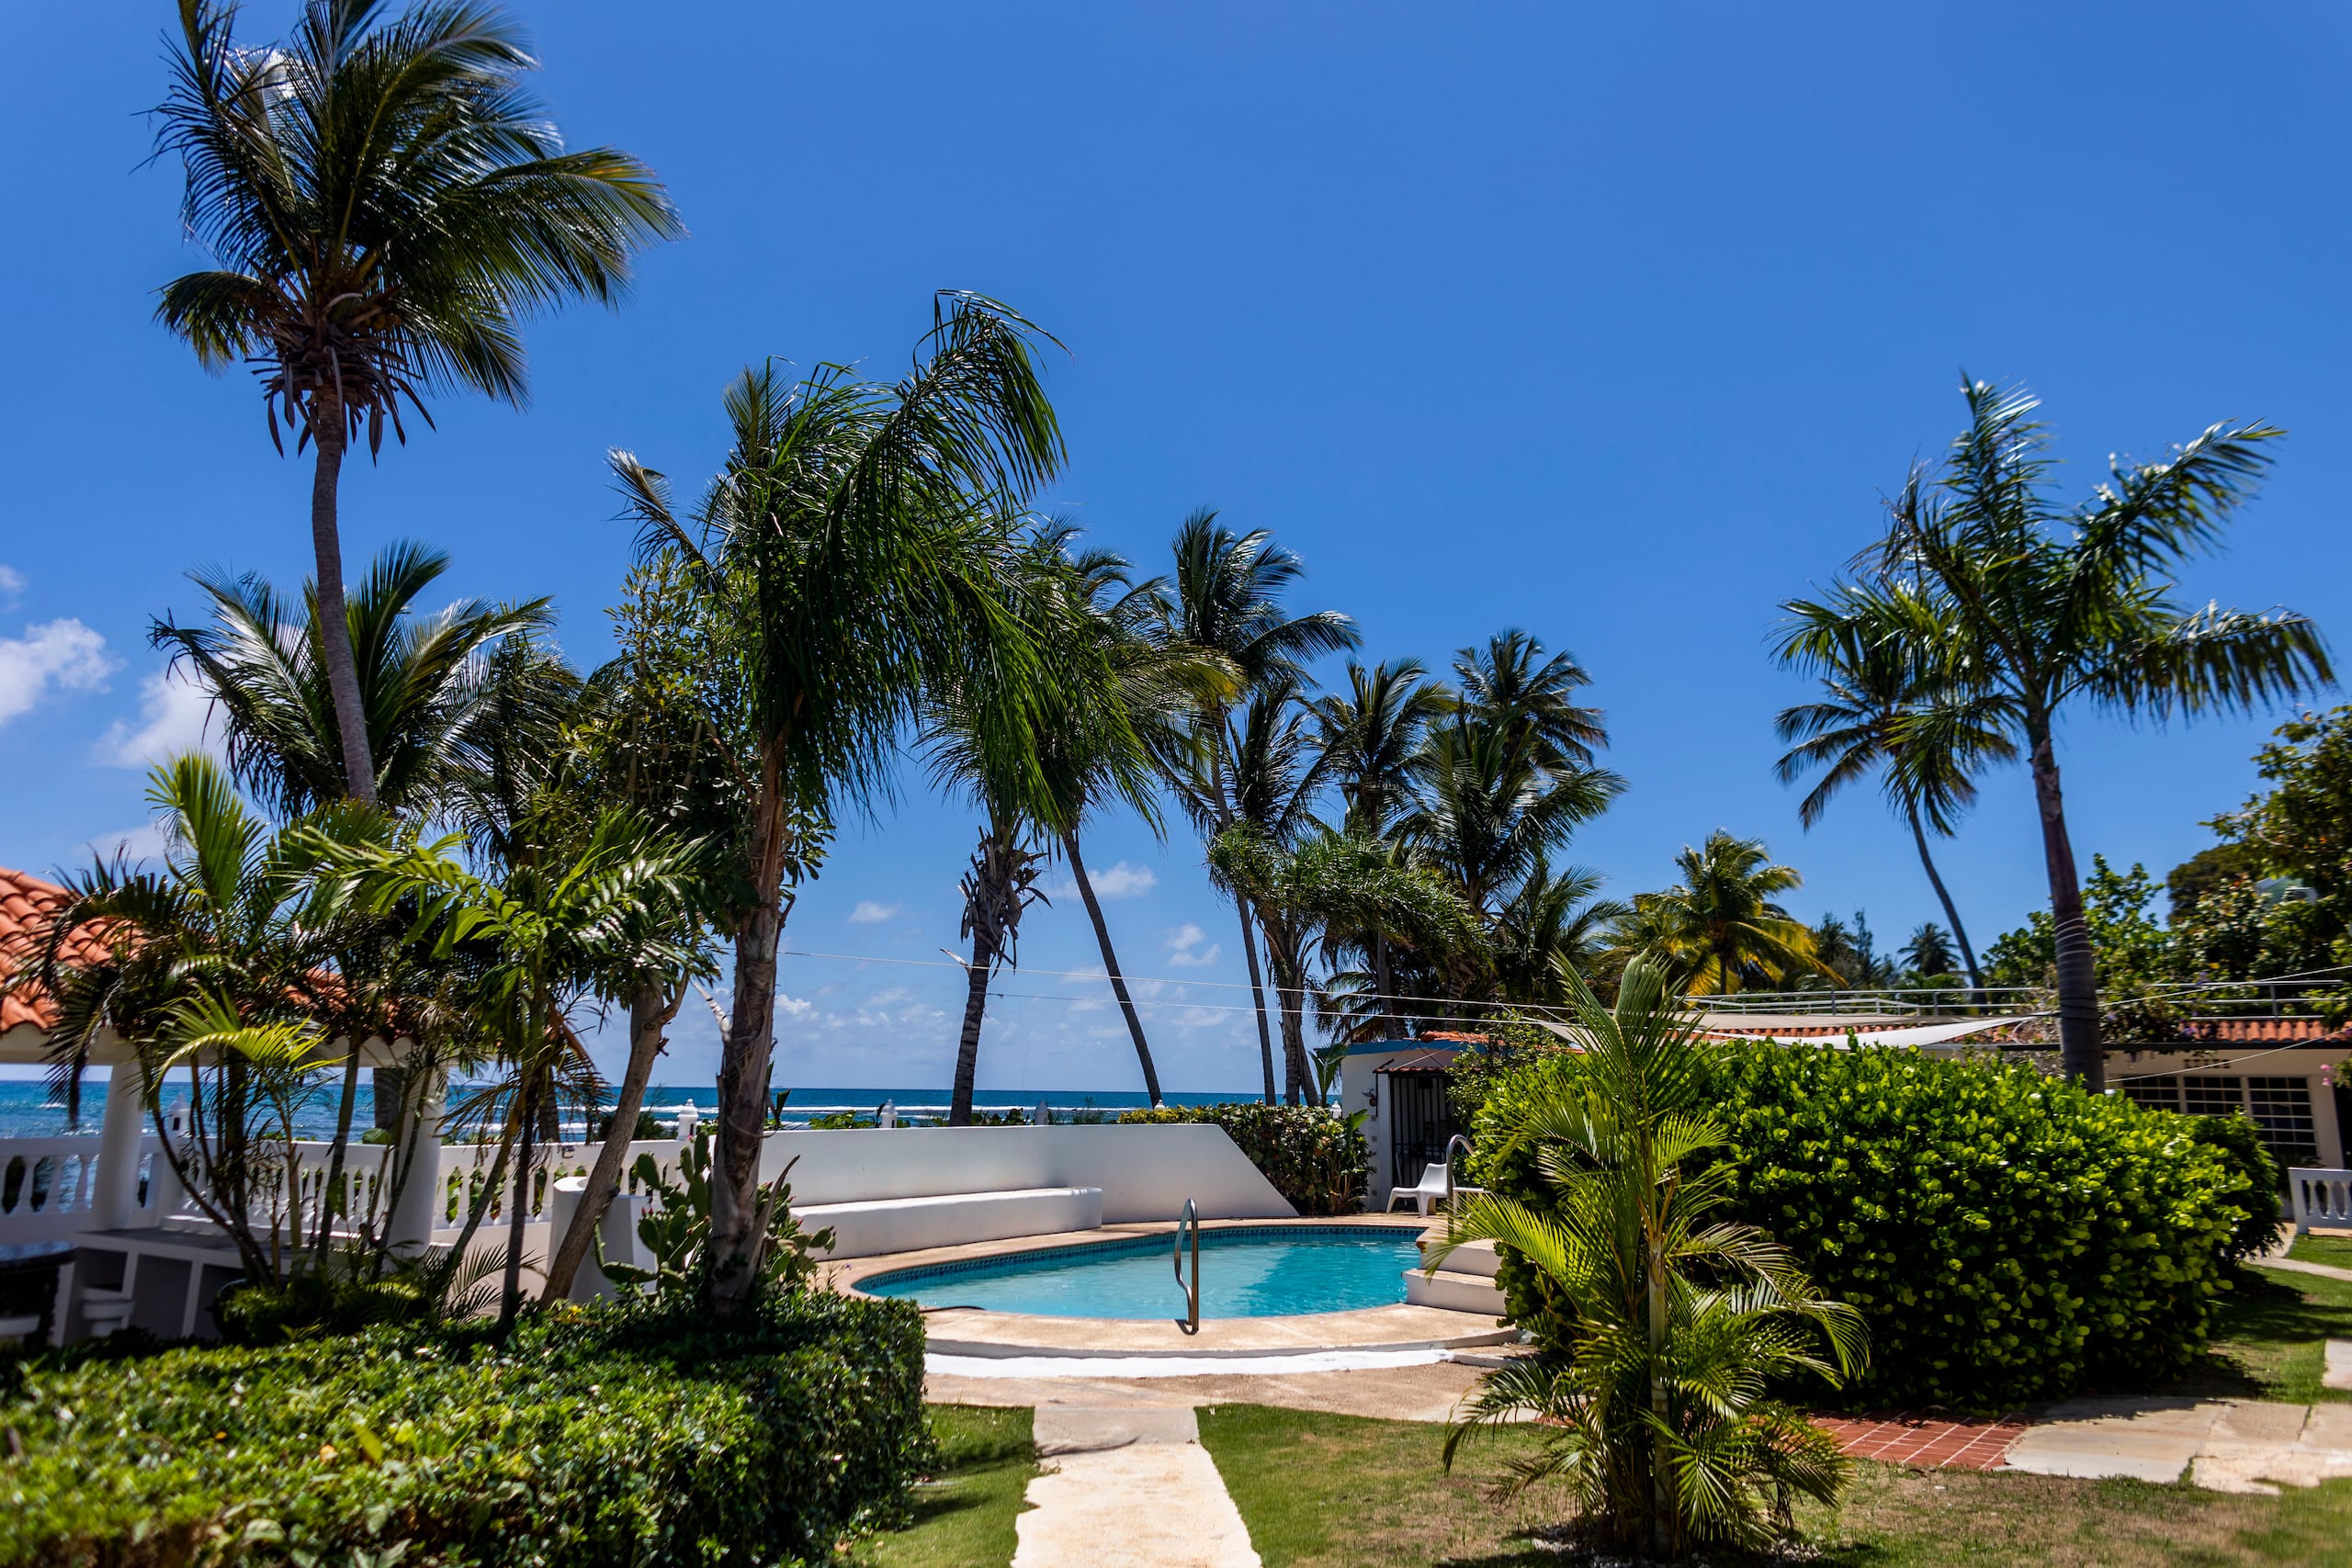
point(1315, 1158)
point(2007, 1237)
point(614, 1434)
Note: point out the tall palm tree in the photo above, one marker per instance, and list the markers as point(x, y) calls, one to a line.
point(1487, 812)
point(1724, 927)
point(853, 549)
point(1116, 750)
point(1555, 926)
point(1929, 952)
point(1266, 771)
point(419, 681)
point(1370, 737)
point(1856, 728)
point(1512, 681)
point(2010, 610)
point(1228, 593)
point(384, 203)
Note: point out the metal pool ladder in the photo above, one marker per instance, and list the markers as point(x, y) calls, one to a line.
point(1187, 1223)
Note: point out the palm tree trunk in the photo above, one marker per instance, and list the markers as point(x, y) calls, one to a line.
point(1257, 994)
point(334, 623)
point(651, 1005)
point(744, 1059)
point(1111, 965)
point(1290, 984)
point(1384, 978)
point(2078, 1050)
point(976, 1002)
point(1959, 931)
point(510, 1301)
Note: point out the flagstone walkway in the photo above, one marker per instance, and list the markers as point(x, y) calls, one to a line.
point(1127, 1487)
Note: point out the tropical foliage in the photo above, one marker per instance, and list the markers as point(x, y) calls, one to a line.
point(1669, 1323)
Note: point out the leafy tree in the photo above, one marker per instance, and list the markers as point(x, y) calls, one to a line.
point(1849, 954)
point(2007, 611)
point(2302, 827)
point(2209, 869)
point(2131, 949)
point(1656, 1412)
point(857, 548)
point(1229, 593)
point(384, 202)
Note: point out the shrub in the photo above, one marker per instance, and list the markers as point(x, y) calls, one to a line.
point(1317, 1159)
point(2007, 1237)
point(615, 1434)
point(2239, 1142)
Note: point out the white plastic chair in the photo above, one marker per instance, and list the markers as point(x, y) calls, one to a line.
point(1437, 1185)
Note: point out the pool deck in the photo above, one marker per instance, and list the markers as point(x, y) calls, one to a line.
point(969, 1331)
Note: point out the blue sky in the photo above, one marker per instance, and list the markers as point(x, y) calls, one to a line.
point(1610, 323)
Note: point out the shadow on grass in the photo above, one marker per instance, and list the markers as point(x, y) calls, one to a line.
point(2267, 1316)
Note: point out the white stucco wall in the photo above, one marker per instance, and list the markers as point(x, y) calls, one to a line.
point(1145, 1172)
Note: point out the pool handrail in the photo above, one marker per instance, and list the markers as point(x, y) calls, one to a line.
point(1188, 1223)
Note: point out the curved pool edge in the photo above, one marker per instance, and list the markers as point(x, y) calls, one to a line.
point(975, 1332)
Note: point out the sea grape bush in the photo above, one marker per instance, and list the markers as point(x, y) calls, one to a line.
point(588, 1437)
point(1316, 1160)
point(2008, 1238)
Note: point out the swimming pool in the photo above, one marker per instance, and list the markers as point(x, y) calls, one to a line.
point(1245, 1272)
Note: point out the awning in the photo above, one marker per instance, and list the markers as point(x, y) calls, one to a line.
point(1923, 1034)
point(1419, 1062)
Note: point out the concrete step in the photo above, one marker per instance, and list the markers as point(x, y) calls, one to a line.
point(1471, 1258)
point(1455, 1292)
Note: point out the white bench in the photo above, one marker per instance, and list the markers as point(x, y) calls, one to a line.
point(909, 1224)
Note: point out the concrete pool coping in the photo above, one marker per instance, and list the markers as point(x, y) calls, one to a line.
point(971, 1331)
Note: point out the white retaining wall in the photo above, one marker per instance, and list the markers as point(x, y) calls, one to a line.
point(1145, 1172)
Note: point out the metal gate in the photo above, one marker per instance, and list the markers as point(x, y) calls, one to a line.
point(1420, 1121)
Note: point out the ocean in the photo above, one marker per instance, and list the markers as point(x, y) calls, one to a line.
point(26, 1112)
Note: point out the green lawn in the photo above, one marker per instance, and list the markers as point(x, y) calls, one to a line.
point(2335, 1250)
point(963, 1516)
point(2271, 1343)
point(1342, 1492)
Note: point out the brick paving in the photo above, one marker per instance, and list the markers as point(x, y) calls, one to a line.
point(1925, 1444)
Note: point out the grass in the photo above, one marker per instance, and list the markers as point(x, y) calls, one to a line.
point(2271, 1342)
point(963, 1516)
point(1343, 1492)
point(2333, 1250)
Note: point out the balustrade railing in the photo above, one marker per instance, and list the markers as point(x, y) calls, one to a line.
point(2320, 1197)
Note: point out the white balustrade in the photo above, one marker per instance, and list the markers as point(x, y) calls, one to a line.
point(2320, 1198)
point(466, 1167)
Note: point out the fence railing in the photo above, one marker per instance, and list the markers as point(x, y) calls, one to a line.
point(2285, 995)
point(2320, 1198)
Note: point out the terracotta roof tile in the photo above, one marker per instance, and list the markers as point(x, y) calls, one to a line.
point(25, 901)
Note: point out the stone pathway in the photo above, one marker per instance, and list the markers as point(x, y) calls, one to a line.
point(2227, 1445)
point(1127, 1487)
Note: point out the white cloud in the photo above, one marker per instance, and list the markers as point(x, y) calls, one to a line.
point(173, 708)
point(1124, 880)
point(1184, 949)
point(12, 583)
point(65, 654)
point(869, 913)
point(143, 842)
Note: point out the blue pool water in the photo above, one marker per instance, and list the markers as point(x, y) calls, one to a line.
point(1244, 1273)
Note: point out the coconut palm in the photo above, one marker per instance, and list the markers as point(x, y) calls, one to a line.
point(1723, 928)
point(1487, 814)
point(1228, 593)
point(854, 548)
point(1657, 1411)
point(1370, 736)
point(560, 925)
point(1856, 728)
point(1928, 952)
point(263, 662)
point(1553, 926)
point(1511, 681)
point(2009, 609)
point(1113, 751)
point(384, 203)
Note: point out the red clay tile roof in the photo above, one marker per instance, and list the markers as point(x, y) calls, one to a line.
point(24, 900)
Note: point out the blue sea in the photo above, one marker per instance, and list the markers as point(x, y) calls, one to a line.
point(26, 1112)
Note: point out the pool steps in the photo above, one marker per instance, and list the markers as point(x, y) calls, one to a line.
point(1466, 1282)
